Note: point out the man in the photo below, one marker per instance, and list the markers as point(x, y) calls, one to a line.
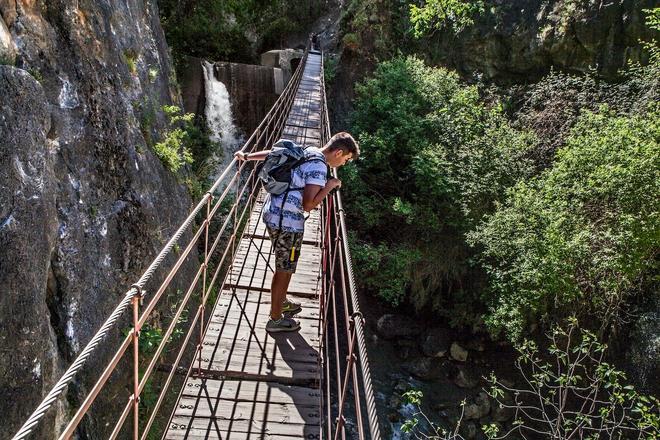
point(285, 220)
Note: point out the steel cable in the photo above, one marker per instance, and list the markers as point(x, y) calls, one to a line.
point(38, 414)
point(359, 328)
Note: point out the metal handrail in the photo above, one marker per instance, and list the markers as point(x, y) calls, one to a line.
point(340, 292)
point(266, 133)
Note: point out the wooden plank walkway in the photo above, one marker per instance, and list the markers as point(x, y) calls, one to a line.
point(255, 385)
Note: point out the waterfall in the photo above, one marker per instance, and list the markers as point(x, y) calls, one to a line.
point(218, 116)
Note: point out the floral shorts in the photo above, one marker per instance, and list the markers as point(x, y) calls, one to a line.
point(287, 247)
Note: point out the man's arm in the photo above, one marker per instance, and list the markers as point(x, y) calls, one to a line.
point(314, 194)
point(258, 155)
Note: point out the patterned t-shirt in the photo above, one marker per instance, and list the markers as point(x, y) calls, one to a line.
point(312, 172)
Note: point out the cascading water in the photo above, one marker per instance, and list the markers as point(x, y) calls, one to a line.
point(218, 117)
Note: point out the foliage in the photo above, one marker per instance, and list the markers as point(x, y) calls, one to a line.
point(574, 393)
point(235, 30)
point(434, 161)
point(185, 143)
point(434, 15)
point(386, 267)
point(330, 64)
point(430, 430)
point(131, 58)
point(351, 41)
point(174, 150)
point(552, 106)
point(650, 73)
point(581, 237)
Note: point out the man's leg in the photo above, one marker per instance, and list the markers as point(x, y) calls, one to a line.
point(278, 289)
point(282, 245)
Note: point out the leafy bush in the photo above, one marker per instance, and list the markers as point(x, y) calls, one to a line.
point(583, 236)
point(174, 150)
point(434, 161)
point(573, 393)
point(437, 14)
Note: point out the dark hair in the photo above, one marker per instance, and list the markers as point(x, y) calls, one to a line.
point(345, 142)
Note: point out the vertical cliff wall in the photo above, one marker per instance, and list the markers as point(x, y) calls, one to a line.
point(81, 193)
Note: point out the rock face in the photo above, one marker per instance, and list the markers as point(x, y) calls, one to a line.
point(521, 39)
point(28, 232)
point(392, 326)
point(81, 193)
point(644, 354)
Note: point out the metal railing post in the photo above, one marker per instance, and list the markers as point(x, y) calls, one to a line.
point(136, 362)
point(202, 304)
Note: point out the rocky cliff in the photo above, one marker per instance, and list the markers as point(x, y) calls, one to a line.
point(510, 42)
point(520, 40)
point(81, 193)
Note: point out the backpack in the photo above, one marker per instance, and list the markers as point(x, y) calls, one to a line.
point(276, 171)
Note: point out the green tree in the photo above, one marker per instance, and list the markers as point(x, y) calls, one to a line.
point(583, 236)
point(434, 161)
point(433, 15)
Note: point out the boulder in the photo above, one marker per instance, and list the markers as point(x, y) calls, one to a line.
point(501, 414)
point(423, 368)
point(471, 411)
point(407, 349)
point(469, 430)
point(458, 353)
point(392, 326)
point(7, 51)
point(464, 379)
point(436, 343)
point(483, 402)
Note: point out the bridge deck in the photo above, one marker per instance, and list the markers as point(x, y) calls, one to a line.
point(255, 385)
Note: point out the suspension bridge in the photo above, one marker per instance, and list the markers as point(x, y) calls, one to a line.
point(226, 377)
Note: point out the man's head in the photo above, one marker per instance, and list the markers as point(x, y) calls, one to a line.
point(340, 149)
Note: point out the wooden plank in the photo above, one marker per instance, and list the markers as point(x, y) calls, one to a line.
point(198, 428)
point(207, 407)
point(261, 370)
point(252, 391)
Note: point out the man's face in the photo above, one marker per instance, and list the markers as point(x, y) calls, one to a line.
point(338, 158)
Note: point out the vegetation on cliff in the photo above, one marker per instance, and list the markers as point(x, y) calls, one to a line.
point(435, 160)
point(236, 30)
point(457, 207)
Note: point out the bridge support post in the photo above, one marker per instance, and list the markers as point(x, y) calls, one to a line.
point(136, 362)
point(202, 304)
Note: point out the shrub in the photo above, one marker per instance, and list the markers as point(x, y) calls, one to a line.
point(573, 393)
point(581, 237)
point(434, 15)
point(434, 161)
point(174, 150)
point(351, 41)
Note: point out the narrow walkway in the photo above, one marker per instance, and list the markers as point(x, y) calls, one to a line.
point(255, 385)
